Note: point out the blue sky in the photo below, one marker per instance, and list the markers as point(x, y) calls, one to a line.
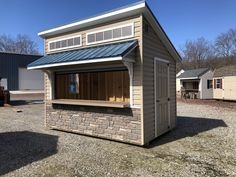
point(181, 19)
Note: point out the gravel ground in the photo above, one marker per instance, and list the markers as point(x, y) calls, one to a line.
point(203, 144)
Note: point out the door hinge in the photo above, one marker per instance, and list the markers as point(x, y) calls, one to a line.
point(168, 99)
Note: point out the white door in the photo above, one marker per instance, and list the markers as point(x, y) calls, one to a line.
point(162, 122)
point(30, 79)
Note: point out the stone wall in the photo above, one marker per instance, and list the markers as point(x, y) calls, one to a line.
point(122, 124)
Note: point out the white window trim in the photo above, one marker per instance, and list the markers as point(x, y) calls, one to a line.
point(65, 38)
point(218, 83)
point(113, 39)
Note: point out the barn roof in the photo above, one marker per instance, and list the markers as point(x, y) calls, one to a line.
point(225, 71)
point(194, 73)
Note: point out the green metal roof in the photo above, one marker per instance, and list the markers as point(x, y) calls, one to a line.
point(97, 53)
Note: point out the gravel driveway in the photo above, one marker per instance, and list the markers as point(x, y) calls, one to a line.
point(203, 144)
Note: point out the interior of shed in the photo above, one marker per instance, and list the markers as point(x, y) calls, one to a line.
point(112, 86)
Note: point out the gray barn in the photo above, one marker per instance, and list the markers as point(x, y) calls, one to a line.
point(13, 69)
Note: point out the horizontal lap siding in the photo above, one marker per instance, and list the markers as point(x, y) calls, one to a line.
point(229, 86)
point(135, 54)
point(47, 86)
point(153, 47)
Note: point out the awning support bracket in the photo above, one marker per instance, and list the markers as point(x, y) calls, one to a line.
point(129, 65)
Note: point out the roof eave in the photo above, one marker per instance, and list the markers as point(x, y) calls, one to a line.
point(134, 9)
point(161, 33)
point(188, 78)
point(119, 58)
point(106, 17)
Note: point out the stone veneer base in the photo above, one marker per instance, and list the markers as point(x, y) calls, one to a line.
point(120, 124)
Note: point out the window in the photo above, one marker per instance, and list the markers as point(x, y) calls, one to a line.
point(105, 86)
point(116, 33)
point(70, 42)
point(126, 31)
point(195, 85)
point(58, 45)
point(91, 38)
point(218, 83)
point(77, 41)
point(52, 45)
point(73, 83)
point(107, 35)
point(209, 84)
point(99, 36)
point(65, 43)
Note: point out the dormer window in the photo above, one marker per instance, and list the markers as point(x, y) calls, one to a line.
point(65, 43)
point(116, 33)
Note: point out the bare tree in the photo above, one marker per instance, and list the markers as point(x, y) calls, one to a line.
point(225, 44)
point(22, 44)
point(197, 51)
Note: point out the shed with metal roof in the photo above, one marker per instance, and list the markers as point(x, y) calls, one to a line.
point(111, 76)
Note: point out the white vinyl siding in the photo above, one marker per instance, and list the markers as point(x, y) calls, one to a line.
point(116, 33)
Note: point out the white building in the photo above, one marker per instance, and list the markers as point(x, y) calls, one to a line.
point(178, 87)
point(196, 81)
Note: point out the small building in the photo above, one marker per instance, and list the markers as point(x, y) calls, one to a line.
point(110, 76)
point(178, 86)
point(225, 83)
point(14, 73)
point(196, 82)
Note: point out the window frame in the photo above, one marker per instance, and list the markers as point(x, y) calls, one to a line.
point(65, 38)
point(209, 83)
point(112, 39)
point(218, 84)
point(75, 72)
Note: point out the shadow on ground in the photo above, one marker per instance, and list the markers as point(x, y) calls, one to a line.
point(25, 102)
point(18, 149)
point(188, 127)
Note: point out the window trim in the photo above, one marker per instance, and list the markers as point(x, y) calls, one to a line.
point(208, 84)
point(218, 83)
point(65, 38)
point(111, 28)
point(54, 89)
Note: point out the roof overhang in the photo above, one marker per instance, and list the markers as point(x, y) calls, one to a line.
point(103, 53)
point(116, 14)
point(75, 63)
point(127, 11)
point(189, 78)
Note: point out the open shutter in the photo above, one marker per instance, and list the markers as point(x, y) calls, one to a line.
point(220, 83)
point(214, 83)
